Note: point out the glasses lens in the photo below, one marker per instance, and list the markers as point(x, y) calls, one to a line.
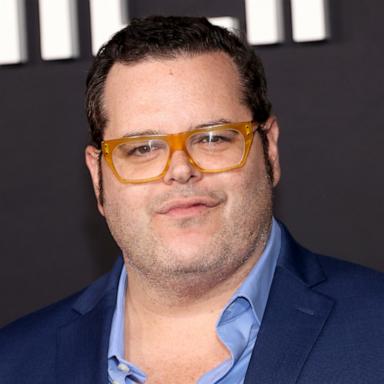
point(217, 149)
point(141, 159)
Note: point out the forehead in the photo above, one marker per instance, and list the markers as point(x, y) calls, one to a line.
point(180, 92)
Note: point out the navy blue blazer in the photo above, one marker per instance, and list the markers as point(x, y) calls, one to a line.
point(324, 323)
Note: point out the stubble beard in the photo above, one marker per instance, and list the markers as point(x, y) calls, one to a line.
point(225, 253)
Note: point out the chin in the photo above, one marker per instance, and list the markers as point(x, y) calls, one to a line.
point(188, 229)
point(191, 265)
point(186, 242)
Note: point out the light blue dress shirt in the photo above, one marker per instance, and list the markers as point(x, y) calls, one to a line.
point(237, 327)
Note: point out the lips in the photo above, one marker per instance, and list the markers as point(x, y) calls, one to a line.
point(185, 205)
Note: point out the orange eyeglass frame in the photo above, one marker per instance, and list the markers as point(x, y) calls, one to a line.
point(176, 142)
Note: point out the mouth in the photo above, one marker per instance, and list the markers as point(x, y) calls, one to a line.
point(192, 206)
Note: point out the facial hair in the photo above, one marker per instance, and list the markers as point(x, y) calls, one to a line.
point(240, 235)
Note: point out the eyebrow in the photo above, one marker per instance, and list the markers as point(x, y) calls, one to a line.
point(213, 122)
point(150, 132)
point(147, 132)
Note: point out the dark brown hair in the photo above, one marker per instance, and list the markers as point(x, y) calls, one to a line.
point(168, 37)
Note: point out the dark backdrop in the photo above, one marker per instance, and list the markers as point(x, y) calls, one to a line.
point(329, 100)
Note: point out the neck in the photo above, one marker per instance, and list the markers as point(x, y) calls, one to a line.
point(163, 314)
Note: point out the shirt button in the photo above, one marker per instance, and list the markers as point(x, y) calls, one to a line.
point(123, 368)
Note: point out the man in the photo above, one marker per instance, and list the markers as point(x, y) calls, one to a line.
point(211, 288)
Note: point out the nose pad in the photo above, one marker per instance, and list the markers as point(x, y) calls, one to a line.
point(181, 169)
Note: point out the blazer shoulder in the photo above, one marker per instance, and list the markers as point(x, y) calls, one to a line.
point(30, 342)
point(329, 274)
point(41, 326)
point(34, 342)
point(352, 284)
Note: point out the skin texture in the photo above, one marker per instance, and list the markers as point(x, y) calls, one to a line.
point(190, 239)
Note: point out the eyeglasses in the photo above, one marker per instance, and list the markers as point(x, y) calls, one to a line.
point(217, 148)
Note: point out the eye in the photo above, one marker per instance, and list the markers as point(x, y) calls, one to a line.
point(219, 137)
point(141, 150)
point(145, 148)
point(213, 139)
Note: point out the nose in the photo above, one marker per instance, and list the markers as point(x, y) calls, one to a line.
point(181, 170)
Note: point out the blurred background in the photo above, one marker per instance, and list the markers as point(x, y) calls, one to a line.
point(327, 91)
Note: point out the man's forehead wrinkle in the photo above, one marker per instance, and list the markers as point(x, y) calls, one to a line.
point(147, 132)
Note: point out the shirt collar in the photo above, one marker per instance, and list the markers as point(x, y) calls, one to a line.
point(254, 290)
point(116, 338)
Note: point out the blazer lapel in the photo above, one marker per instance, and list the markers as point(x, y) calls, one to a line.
point(293, 319)
point(82, 345)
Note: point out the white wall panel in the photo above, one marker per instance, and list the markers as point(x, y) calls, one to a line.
point(309, 20)
point(107, 17)
point(264, 21)
point(13, 48)
point(58, 29)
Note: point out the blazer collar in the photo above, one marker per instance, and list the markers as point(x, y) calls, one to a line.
point(299, 262)
point(293, 319)
point(83, 343)
point(97, 290)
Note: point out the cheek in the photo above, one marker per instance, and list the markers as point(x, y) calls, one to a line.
point(126, 200)
point(247, 187)
point(244, 179)
point(125, 214)
point(255, 170)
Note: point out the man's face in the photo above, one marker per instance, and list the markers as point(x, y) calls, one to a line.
point(188, 223)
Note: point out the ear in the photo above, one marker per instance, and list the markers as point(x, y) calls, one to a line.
point(93, 163)
point(272, 129)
